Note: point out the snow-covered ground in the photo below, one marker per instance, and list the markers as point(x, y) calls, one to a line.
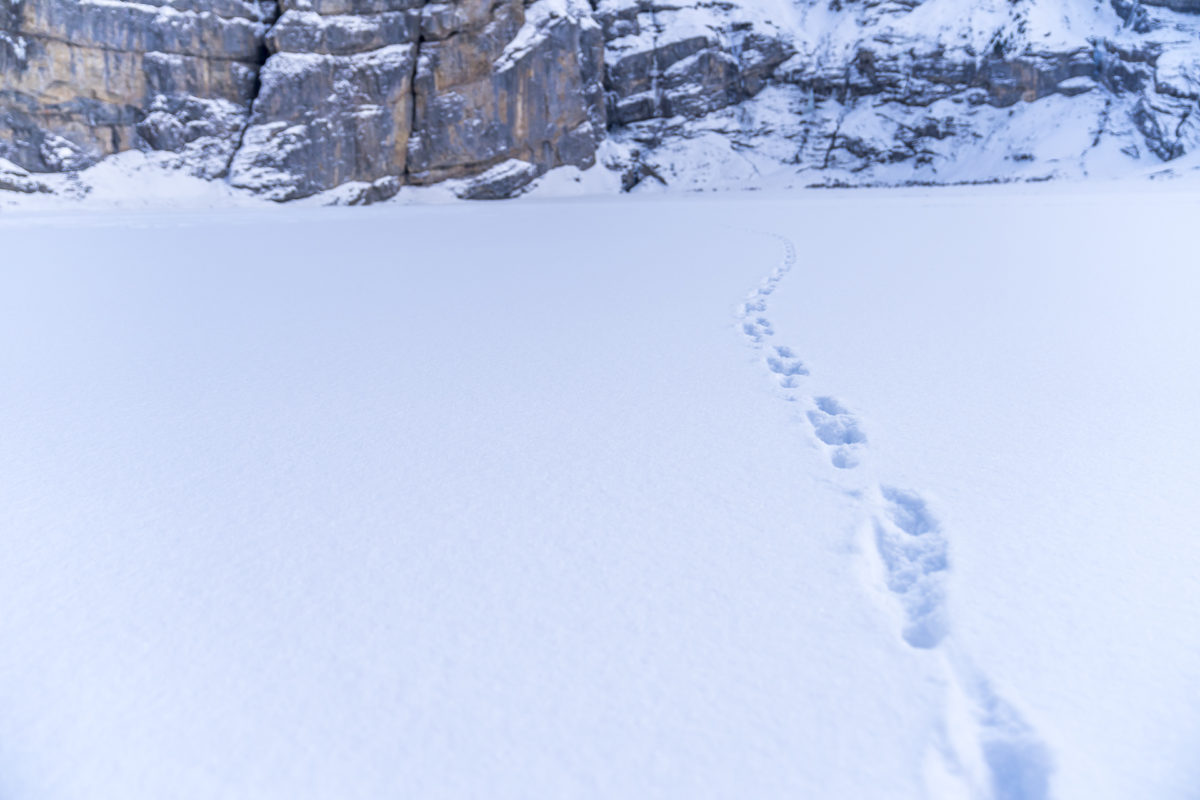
point(825, 494)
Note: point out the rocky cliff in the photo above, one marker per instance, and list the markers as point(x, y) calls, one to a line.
point(290, 98)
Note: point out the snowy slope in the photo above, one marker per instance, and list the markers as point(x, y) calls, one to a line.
point(583, 518)
point(934, 92)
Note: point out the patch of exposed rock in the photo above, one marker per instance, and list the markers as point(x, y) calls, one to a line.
point(359, 90)
point(667, 61)
point(82, 79)
point(16, 179)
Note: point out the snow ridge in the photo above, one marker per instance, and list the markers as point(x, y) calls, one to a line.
point(985, 748)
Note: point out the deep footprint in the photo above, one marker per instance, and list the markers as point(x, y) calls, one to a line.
point(913, 549)
point(1019, 765)
point(786, 365)
point(837, 428)
point(914, 554)
point(757, 328)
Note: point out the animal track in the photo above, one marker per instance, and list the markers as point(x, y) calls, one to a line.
point(1020, 765)
point(914, 553)
point(833, 425)
point(757, 328)
point(913, 549)
point(838, 429)
point(786, 365)
point(754, 306)
point(754, 324)
point(1015, 764)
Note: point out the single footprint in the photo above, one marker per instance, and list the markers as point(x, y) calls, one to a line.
point(838, 429)
point(757, 328)
point(914, 554)
point(1017, 764)
point(756, 304)
point(784, 363)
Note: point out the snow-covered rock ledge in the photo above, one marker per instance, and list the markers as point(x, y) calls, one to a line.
point(364, 98)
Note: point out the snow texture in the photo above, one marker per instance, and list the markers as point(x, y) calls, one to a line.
point(295, 512)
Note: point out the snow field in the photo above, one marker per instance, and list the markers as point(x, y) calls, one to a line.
point(307, 502)
point(1026, 361)
point(322, 503)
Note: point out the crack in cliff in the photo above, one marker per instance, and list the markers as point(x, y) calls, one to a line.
point(833, 140)
point(411, 100)
point(264, 53)
point(656, 88)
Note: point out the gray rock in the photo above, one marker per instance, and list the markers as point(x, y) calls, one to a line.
point(377, 192)
point(502, 181)
point(15, 179)
point(1159, 127)
point(295, 97)
point(1184, 6)
point(323, 120)
point(515, 88)
point(1078, 85)
point(420, 93)
point(664, 75)
point(80, 79)
point(309, 32)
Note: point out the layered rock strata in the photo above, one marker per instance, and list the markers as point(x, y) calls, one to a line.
point(667, 61)
point(292, 98)
point(81, 79)
point(414, 93)
point(888, 91)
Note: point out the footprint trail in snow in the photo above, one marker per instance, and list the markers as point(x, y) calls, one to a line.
point(913, 550)
point(996, 754)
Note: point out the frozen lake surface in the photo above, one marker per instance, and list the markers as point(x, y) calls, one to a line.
point(831, 495)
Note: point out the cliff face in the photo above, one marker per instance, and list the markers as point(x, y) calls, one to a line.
point(288, 99)
point(81, 80)
point(401, 91)
point(293, 99)
point(851, 92)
